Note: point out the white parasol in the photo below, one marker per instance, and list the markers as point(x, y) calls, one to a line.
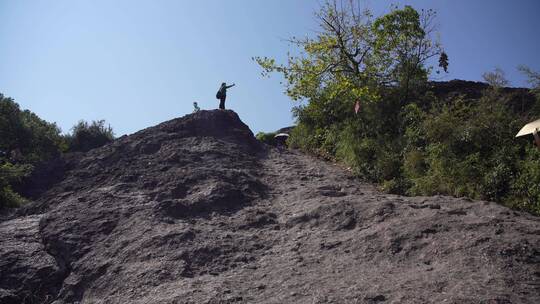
point(529, 128)
point(281, 135)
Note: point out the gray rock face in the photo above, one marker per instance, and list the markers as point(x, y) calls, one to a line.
point(29, 273)
point(195, 210)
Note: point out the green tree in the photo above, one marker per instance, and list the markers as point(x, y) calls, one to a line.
point(267, 138)
point(403, 45)
point(353, 55)
point(496, 78)
point(86, 136)
point(370, 106)
point(357, 59)
point(534, 81)
point(25, 140)
point(526, 186)
point(25, 136)
point(10, 174)
point(334, 64)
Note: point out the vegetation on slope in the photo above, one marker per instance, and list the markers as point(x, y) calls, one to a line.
point(370, 105)
point(26, 140)
point(267, 138)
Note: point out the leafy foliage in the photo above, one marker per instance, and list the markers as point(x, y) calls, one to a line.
point(526, 186)
point(403, 136)
point(465, 148)
point(10, 173)
point(86, 136)
point(26, 140)
point(26, 137)
point(267, 138)
point(353, 55)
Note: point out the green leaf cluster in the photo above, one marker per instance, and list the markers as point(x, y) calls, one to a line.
point(9, 174)
point(25, 136)
point(86, 136)
point(267, 138)
point(404, 137)
point(466, 147)
point(27, 140)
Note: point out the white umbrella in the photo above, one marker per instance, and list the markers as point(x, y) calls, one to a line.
point(529, 128)
point(281, 135)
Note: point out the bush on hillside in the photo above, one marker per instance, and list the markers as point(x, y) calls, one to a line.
point(369, 105)
point(86, 136)
point(457, 146)
point(267, 138)
point(525, 188)
point(26, 140)
point(467, 149)
point(9, 174)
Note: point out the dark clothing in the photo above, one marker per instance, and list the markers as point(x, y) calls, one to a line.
point(222, 95)
point(222, 91)
point(222, 102)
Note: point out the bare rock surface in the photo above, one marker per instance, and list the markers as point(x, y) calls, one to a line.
point(195, 210)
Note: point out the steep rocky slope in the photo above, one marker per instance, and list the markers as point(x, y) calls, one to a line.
point(195, 210)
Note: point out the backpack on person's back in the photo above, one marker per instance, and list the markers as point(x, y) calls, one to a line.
point(219, 94)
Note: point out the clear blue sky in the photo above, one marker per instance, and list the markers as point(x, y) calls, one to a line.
point(136, 63)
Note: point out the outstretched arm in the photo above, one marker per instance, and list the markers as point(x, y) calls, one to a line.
point(232, 85)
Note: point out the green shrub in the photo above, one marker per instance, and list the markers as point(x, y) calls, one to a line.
point(9, 198)
point(26, 140)
point(402, 135)
point(303, 137)
point(526, 186)
point(10, 173)
point(414, 164)
point(86, 136)
point(453, 149)
point(267, 138)
point(25, 134)
point(456, 146)
point(359, 154)
point(394, 186)
point(310, 139)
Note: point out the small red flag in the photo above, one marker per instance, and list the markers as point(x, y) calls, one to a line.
point(357, 107)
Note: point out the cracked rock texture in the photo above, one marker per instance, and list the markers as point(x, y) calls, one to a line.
point(195, 210)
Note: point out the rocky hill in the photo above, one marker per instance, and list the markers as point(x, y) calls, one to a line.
point(195, 210)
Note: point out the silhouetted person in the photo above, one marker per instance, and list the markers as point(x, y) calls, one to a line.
point(222, 94)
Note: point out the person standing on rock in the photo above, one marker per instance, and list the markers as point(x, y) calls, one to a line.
point(222, 94)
